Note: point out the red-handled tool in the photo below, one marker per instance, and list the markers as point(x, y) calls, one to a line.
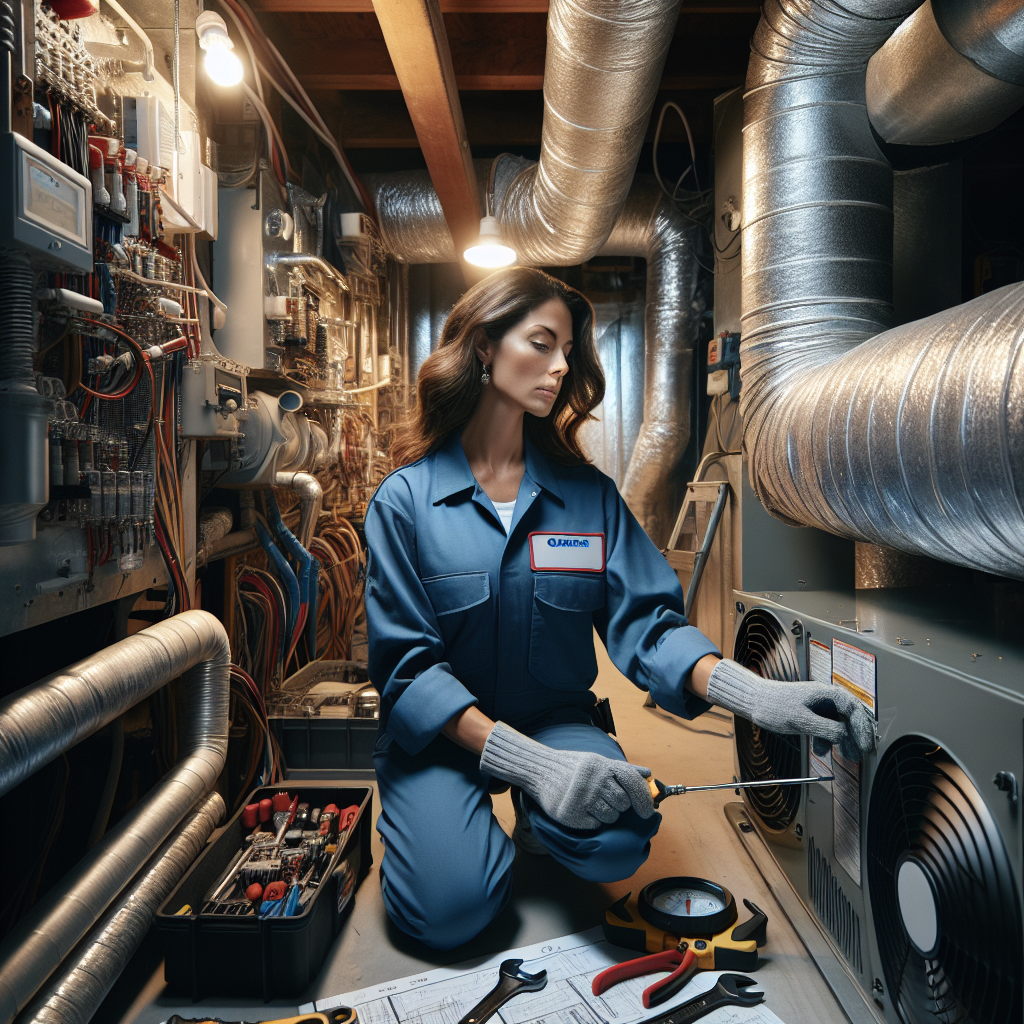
point(681, 961)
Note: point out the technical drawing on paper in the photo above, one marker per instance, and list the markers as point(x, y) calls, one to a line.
point(446, 995)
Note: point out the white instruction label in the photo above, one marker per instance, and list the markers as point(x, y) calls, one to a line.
point(820, 663)
point(854, 669)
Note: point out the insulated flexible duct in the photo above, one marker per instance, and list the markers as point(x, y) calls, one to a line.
point(913, 439)
point(652, 227)
point(74, 994)
point(602, 68)
point(950, 71)
point(38, 723)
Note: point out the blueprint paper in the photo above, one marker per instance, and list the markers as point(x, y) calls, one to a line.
point(447, 994)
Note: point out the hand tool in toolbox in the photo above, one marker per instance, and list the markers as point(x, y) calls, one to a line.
point(659, 791)
point(683, 909)
point(729, 990)
point(277, 871)
point(512, 980)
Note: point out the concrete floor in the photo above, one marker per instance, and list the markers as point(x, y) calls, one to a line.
point(695, 839)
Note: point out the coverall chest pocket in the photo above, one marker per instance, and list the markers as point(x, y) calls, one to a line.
point(562, 637)
point(462, 606)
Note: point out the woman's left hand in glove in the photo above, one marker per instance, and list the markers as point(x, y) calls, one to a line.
point(831, 715)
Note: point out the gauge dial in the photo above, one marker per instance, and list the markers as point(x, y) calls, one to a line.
point(688, 902)
point(687, 907)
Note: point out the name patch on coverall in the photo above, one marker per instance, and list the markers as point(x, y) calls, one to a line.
point(578, 552)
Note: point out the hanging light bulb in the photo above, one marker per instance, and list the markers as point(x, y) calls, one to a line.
point(220, 63)
point(489, 251)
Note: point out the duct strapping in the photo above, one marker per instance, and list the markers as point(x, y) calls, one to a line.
point(40, 722)
point(913, 439)
point(74, 994)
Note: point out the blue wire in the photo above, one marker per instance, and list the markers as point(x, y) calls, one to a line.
point(288, 578)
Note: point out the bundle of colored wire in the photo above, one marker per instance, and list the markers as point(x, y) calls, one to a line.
point(342, 560)
point(261, 625)
point(281, 77)
point(265, 751)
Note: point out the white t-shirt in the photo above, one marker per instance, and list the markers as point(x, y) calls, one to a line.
point(506, 510)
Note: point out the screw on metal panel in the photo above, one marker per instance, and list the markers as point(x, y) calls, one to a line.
point(1006, 782)
point(797, 629)
point(739, 607)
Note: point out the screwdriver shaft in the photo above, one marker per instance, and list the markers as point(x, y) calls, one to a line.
point(680, 790)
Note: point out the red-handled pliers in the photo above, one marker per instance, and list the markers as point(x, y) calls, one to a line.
point(681, 961)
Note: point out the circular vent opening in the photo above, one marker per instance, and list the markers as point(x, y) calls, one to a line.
point(763, 646)
point(942, 891)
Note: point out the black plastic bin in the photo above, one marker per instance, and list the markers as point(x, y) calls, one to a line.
point(277, 957)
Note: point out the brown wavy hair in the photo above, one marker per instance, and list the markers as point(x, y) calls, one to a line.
point(449, 385)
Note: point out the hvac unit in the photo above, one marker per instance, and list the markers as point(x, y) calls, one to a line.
point(911, 861)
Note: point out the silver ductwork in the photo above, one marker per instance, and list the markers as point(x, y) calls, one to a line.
point(75, 992)
point(652, 227)
point(602, 68)
point(40, 722)
point(952, 70)
point(904, 438)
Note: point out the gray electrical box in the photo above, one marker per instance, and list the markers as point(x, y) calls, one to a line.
point(47, 208)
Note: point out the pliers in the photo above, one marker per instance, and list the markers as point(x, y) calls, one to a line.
point(681, 961)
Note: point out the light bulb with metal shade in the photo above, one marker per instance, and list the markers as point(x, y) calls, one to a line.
point(489, 251)
point(220, 63)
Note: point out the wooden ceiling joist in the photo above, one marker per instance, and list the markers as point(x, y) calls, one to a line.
point(418, 46)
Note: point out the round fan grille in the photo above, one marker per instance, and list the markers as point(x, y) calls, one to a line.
point(925, 811)
point(763, 646)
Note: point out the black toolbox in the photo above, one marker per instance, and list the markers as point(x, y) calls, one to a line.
point(276, 957)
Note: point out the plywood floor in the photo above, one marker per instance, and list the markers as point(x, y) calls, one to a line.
point(695, 839)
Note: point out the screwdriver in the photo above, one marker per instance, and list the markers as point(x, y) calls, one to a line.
point(659, 790)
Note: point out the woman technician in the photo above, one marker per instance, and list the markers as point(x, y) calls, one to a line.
point(495, 551)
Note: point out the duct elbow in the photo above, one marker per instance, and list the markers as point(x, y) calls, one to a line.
point(946, 75)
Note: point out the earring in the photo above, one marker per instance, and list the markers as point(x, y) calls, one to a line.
point(485, 377)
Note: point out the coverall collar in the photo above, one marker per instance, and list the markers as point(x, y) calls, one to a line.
point(452, 474)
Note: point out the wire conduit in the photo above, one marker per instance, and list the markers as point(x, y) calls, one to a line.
point(911, 438)
point(40, 722)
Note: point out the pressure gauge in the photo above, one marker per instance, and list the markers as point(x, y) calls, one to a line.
point(687, 906)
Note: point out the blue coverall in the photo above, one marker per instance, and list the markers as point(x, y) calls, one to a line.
point(458, 616)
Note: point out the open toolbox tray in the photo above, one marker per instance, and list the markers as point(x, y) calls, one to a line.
point(276, 957)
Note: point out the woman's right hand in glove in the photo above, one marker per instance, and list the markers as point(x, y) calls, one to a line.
point(830, 714)
point(578, 789)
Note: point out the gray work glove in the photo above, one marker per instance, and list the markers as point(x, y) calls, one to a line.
point(579, 790)
point(829, 714)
